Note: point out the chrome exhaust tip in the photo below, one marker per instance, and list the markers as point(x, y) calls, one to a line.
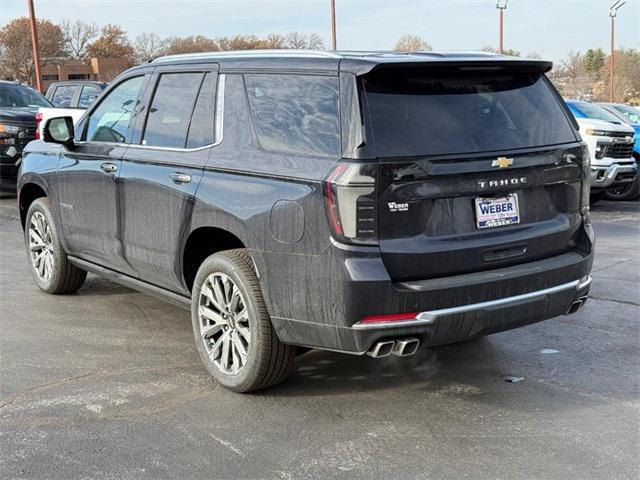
point(405, 347)
point(381, 349)
point(575, 306)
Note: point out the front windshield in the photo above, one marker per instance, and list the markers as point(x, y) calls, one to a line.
point(20, 96)
point(594, 111)
point(632, 114)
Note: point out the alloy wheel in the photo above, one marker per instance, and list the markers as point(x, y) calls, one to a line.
point(224, 323)
point(41, 246)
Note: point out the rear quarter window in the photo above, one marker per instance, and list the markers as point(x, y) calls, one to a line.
point(295, 113)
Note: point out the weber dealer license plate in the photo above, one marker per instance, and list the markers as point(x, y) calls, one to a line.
point(497, 212)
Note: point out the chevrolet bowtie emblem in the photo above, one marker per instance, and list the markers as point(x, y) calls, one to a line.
point(502, 162)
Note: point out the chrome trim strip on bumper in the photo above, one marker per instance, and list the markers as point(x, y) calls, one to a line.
point(429, 317)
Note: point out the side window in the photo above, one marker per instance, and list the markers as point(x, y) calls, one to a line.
point(201, 131)
point(88, 95)
point(171, 108)
point(62, 96)
point(110, 121)
point(295, 113)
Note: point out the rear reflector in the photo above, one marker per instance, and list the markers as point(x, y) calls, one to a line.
point(394, 317)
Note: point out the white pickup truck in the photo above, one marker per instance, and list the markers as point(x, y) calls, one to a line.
point(69, 99)
point(610, 143)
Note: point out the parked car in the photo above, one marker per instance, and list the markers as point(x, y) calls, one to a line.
point(18, 106)
point(610, 142)
point(74, 93)
point(362, 203)
point(630, 115)
point(70, 98)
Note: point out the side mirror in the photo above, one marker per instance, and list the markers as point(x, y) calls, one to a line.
point(59, 130)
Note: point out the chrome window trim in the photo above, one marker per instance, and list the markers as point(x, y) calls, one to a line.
point(429, 317)
point(218, 133)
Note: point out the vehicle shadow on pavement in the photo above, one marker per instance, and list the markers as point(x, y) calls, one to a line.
point(459, 369)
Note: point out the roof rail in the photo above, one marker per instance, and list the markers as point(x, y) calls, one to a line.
point(247, 53)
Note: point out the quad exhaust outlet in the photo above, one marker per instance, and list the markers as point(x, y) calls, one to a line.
point(401, 347)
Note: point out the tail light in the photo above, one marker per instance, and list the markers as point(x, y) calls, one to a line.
point(38, 120)
point(350, 195)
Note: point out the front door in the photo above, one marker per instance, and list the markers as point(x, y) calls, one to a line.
point(161, 172)
point(88, 175)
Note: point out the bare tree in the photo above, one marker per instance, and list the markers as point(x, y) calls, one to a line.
point(315, 42)
point(412, 43)
point(77, 36)
point(148, 46)
point(297, 40)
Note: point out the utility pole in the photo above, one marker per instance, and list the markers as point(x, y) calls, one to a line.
point(501, 5)
point(613, 11)
point(333, 25)
point(34, 44)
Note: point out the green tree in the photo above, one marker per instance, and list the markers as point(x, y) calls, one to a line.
point(594, 60)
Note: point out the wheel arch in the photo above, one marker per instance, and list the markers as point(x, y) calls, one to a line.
point(203, 241)
point(28, 193)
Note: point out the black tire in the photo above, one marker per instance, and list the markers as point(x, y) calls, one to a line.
point(268, 361)
point(628, 191)
point(64, 277)
point(596, 197)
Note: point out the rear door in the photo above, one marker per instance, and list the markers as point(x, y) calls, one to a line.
point(162, 169)
point(478, 170)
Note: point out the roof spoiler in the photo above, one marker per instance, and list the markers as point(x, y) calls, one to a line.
point(470, 66)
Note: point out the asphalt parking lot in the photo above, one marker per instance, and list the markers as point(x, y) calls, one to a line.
point(106, 383)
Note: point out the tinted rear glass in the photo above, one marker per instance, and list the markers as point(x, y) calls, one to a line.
point(62, 96)
point(295, 113)
point(421, 114)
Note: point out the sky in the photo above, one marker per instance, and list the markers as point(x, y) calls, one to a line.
point(551, 28)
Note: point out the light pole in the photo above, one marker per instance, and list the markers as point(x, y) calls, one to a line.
point(333, 25)
point(502, 6)
point(613, 11)
point(34, 44)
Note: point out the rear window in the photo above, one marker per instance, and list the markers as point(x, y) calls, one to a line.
point(295, 113)
point(62, 96)
point(421, 114)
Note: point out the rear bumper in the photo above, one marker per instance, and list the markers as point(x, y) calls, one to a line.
point(603, 177)
point(451, 309)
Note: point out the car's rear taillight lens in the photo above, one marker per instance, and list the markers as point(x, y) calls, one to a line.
point(38, 120)
point(351, 200)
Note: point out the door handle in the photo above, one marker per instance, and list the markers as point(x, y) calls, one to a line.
point(109, 167)
point(177, 177)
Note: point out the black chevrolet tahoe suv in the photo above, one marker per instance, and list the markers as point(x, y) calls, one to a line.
point(358, 202)
point(18, 106)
